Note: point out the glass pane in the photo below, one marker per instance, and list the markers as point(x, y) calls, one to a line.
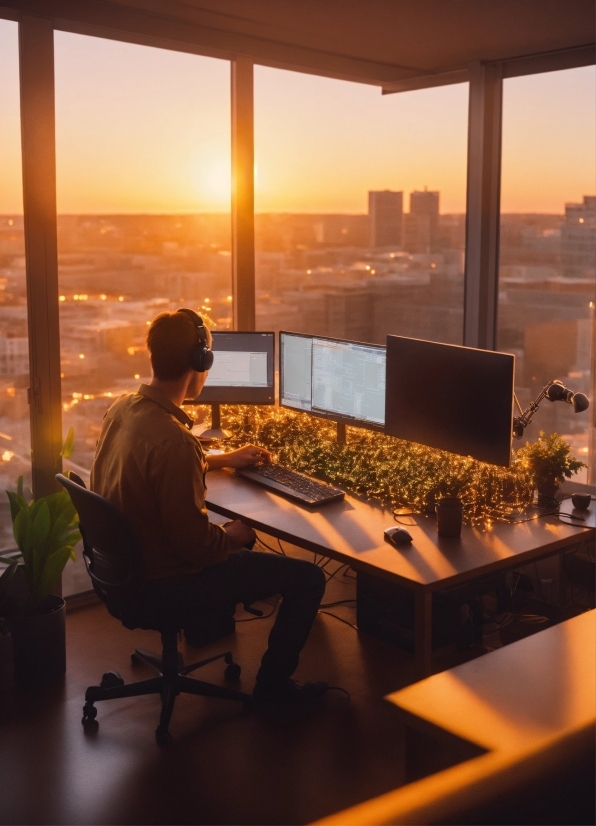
point(143, 165)
point(548, 244)
point(360, 202)
point(15, 434)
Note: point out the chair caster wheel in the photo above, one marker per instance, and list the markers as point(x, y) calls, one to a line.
point(89, 713)
point(163, 736)
point(111, 679)
point(232, 672)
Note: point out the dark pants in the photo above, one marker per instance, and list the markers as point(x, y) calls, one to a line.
point(246, 577)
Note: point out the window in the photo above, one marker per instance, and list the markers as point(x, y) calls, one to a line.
point(143, 176)
point(15, 434)
point(547, 279)
point(360, 208)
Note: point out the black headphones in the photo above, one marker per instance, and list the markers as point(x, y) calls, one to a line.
point(201, 356)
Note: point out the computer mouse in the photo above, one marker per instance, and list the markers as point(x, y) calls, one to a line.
point(397, 536)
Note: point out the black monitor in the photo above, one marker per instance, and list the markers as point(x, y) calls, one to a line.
point(452, 398)
point(333, 379)
point(242, 373)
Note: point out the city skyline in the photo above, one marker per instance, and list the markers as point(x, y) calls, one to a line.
point(320, 144)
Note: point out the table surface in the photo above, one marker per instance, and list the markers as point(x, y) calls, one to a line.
point(529, 704)
point(526, 691)
point(352, 531)
point(589, 516)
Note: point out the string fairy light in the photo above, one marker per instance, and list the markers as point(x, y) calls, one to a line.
point(376, 466)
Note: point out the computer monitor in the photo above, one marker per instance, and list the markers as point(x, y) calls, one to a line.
point(242, 373)
point(333, 379)
point(243, 369)
point(453, 398)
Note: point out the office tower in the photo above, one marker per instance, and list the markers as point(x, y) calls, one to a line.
point(422, 222)
point(578, 239)
point(385, 212)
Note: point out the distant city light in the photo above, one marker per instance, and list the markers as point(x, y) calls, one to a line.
point(372, 272)
point(308, 272)
point(581, 220)
point(7, 455)
point(11, 391)
point(137, 376)
point(207, 300)
point(77, 395)
point(103, 297)
point(62, 298)
point(120, 298)
point(367, 267)
point(10, 222)
point(229, 298)
point(130, 351)
point(62, 375)
point(81, 355)
point(87, 396)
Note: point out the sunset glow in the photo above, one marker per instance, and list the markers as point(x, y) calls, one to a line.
point(148, 130)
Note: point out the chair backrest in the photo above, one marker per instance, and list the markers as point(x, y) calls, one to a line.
point(110, 550)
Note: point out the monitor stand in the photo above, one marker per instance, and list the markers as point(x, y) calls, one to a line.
point(215, 432)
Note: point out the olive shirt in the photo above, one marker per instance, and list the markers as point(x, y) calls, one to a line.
point(151, 467)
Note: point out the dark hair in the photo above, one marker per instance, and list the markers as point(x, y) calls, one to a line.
point(170, 339)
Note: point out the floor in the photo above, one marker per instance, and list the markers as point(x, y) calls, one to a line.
point(224, 766)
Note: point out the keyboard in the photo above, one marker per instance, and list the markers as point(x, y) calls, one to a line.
point(292, 484)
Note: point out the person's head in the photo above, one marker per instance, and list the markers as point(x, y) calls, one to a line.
point(170, 339)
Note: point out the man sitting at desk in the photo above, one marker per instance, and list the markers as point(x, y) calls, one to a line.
point(152, 468)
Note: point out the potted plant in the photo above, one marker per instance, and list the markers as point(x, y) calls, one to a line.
point(5, 638)
point(46, 532)
point(549, 461)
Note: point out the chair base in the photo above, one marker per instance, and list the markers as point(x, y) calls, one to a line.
point(172, 680)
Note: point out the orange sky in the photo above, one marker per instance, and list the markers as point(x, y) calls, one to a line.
point(147, 130)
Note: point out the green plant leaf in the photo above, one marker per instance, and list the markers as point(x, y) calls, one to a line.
point(41, 524)
point(20, 529)
point(16, 503)
point(68, 446)
point(52, 571)
point(6, 579)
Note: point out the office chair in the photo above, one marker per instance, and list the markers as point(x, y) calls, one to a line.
point(114, 563)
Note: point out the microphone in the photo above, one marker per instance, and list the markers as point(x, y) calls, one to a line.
point(557, 392)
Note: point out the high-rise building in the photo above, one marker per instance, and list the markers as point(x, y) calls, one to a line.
point(578, 239)
point(385, 211)
point(422, 223)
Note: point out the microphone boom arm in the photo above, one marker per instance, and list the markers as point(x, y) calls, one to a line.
point(553, 391)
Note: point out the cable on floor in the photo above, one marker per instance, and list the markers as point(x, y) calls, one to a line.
point(339, 688)
point(265, 616)
point(345, 622)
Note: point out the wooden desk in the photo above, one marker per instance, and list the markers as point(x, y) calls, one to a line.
point(351, 531)
point(588, 516)
point(529, 704)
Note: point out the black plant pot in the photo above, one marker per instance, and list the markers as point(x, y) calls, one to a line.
point(547, 495)
point(39, 643)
